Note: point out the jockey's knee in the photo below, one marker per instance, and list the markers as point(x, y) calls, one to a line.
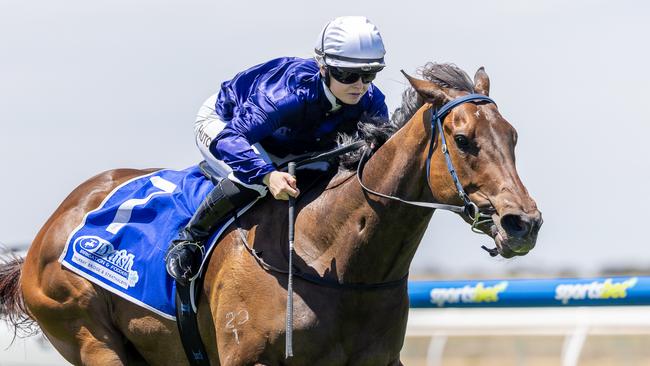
point(259, 188)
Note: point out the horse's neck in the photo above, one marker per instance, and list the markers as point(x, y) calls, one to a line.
point(359, 237)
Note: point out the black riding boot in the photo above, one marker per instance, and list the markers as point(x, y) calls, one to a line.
point(184, 256)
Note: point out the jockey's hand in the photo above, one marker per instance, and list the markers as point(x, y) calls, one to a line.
point(282, 185)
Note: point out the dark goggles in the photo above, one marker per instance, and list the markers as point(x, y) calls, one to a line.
point(350, 76)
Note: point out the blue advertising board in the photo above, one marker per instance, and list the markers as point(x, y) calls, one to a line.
point(604, 291)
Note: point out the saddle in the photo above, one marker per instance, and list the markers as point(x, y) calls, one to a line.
point(308, 176)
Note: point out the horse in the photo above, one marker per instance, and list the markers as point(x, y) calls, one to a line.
point(344, 234)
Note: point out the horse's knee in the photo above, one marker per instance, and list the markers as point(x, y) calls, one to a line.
point(94, 352)
point(80, 348)
point(102, 358)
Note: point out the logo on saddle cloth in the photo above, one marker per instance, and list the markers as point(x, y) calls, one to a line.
point(99, 256)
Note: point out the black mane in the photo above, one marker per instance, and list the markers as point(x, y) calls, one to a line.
point(375, 134)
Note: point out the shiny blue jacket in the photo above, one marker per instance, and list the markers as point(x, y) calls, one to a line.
point(282, 105)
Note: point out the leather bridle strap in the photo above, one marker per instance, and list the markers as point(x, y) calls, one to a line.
point(469, 208)
point(437, 116)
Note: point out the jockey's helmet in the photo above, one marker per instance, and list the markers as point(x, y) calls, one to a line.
point(351, 42)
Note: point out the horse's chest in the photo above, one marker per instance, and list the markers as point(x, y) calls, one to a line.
point(350, 331)
point(331, 326)
point(332, 331)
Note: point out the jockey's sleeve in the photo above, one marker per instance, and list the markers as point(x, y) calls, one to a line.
point(258, 118)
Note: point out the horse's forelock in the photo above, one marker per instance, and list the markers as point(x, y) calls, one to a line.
point(447, 75)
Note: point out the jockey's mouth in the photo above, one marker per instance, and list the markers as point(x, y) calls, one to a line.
point(355, 96)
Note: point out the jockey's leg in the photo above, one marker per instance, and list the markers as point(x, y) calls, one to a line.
point(206, 128)
point(184, 256)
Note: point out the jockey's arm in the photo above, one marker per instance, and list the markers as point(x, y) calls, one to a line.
point(233, 145)
point(228, 146)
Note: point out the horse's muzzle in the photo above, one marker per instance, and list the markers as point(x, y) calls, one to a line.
point(515, 233)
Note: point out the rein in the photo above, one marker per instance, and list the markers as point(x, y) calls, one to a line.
point(324, 156)
point(469, 208)
point(317, 280)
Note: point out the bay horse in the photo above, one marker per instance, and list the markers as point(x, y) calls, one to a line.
point(344, 234)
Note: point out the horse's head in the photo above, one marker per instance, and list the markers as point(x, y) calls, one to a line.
point(481, 144)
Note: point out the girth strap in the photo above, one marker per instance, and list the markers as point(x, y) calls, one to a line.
point(188, 327)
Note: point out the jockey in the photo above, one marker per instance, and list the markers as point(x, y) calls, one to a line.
point(281, 107)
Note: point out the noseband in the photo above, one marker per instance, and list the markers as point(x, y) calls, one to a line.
point(469, 208)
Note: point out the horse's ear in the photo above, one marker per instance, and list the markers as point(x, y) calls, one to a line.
point(431, 92)
point(482, 82)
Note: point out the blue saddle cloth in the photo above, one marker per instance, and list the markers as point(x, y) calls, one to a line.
point(121, 245)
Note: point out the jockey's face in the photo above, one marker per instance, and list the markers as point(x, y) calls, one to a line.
point(347, 93)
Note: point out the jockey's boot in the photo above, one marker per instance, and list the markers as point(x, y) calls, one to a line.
point(184, 256)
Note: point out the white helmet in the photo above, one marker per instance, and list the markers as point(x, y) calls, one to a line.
point(351, 42)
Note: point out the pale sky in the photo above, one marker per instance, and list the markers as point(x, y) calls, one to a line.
point(87, 86)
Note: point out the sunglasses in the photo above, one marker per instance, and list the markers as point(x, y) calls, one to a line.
point(346, 76)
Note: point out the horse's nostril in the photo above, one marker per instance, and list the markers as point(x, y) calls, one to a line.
point(515, 225)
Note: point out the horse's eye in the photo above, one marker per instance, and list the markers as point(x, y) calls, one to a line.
point(461, 141)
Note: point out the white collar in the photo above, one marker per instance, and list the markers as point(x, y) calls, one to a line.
point(331, 98)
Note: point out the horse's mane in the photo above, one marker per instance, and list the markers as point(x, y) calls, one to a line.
point(375, 133)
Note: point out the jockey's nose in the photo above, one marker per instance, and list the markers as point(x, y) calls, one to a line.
point(359, 84)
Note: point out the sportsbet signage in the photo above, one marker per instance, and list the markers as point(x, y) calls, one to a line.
point(596, 290)
point(477, 294)
point(517, 293)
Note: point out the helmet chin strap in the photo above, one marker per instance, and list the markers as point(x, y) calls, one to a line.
point(327, 85)
point(327, 79)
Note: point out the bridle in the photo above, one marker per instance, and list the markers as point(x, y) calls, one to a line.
point(469, 208)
